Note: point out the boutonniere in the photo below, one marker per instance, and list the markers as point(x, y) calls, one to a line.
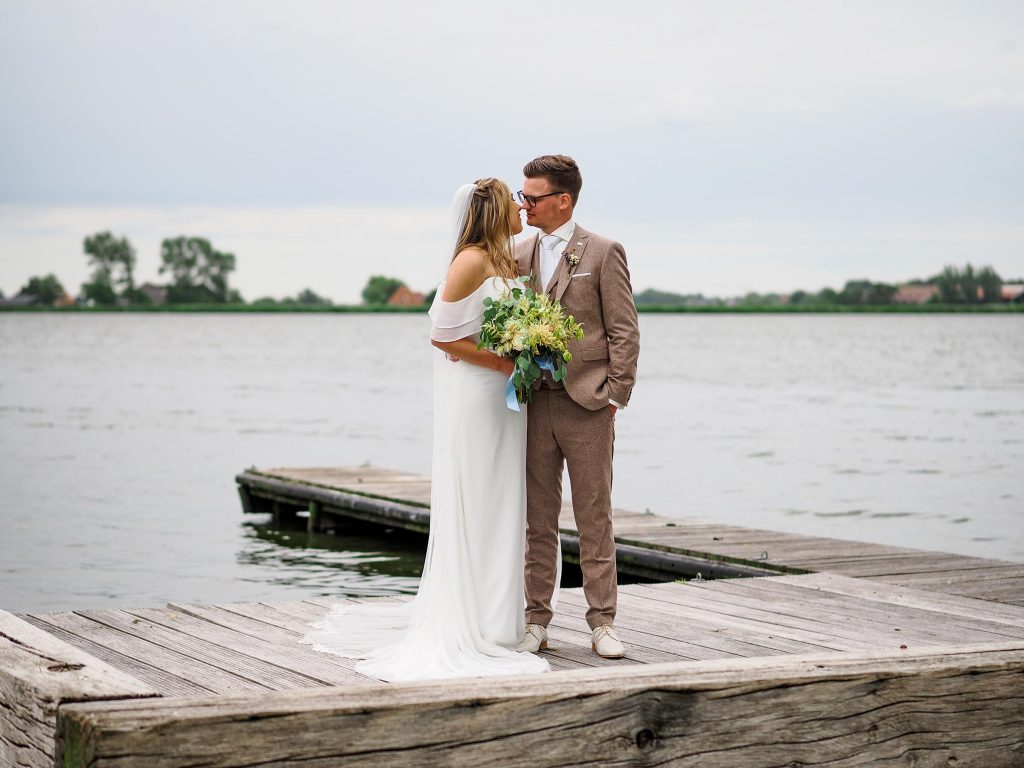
point(571, 257)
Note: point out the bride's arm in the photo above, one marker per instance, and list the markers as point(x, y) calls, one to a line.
point(465, 350)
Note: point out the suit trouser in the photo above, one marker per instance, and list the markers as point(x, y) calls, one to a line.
point(560, 431)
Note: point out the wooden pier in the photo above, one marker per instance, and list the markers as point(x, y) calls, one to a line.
point(816, 652)
point(649, 546)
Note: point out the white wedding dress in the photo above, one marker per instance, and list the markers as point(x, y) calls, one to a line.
point(468, 615)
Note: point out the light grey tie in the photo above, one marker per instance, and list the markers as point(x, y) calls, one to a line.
point(548, 258)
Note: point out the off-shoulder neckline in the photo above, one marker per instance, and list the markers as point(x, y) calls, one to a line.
point(488, 281)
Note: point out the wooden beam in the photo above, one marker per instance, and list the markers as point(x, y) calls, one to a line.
point(961, 707)
point(38, 673)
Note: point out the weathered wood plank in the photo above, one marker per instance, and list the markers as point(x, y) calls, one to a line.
point(572, 653)
point(963, 707)
point(344, 475)
point(571, 614)
point(274, 665)
point(563, 639)
point(39, 673)
point(922, 624)
point(884, 592)
point(910, 564)
point(275, 615)
point(975, 575)
point(113, 643)
point(332, 669)
point(167, 683)
point(692, 630)
point(741, 615)
point(1009, 594)
point(785, 619)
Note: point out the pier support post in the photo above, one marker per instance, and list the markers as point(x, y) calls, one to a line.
point(246, 497)
point(314, 524)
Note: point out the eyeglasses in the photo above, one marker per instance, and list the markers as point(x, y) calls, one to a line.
point(531, 200)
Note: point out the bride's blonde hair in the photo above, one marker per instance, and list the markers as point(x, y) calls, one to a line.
point(488, 226)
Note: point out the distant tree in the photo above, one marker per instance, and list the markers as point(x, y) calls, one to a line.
point(429, 298)
point(113, 268)
point(654, 296)
point(857, 292)
point(199, 274)
point(99, 291)
point(265, 301)
point(828, 296)
point(950, 282)
point(48, 289)
point(966, 286)
point(308, 297)
point(379, 289)
point(759, 300)
point(991, 285)
point(801, 297)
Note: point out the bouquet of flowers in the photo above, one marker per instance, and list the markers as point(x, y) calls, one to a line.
point(533, 329)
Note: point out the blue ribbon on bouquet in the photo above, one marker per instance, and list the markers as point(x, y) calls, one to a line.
point(545, 363)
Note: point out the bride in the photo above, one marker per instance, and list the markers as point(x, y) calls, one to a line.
point(467, 617)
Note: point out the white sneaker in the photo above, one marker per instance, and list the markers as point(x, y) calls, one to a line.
point(535, 639)
point(605, 642)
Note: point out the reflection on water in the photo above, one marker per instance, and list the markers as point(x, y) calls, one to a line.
point(350, 558)
point(358, 561)
point(120, 436)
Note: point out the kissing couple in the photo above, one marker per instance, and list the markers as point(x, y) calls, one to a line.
point(496, 490)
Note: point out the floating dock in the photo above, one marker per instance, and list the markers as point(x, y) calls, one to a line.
point(814, 652)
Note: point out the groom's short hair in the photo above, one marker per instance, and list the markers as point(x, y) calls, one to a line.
point(560, 170)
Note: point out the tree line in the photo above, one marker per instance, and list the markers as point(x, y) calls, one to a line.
point(200, 274)
point(951, 286)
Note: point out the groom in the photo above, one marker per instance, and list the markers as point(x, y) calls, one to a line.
point(574, 424)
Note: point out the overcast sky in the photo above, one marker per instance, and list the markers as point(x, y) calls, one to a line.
point(731, 146)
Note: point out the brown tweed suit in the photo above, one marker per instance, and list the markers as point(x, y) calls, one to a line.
point(573, 425)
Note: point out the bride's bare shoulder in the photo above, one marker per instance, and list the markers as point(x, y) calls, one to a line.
point(466, 274)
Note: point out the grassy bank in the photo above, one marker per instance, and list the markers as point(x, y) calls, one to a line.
point(643, 308)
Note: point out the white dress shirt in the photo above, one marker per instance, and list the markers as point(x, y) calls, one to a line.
point(552, 246)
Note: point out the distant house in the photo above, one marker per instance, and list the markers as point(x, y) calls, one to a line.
point(915, 294)
point(1013, 292)
point(157, 294)
point(21, 300)
point(405, 297)
point(67, 300)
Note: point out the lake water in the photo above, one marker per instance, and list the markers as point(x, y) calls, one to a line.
point(120, 436)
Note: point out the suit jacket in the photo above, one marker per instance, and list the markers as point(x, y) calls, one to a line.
point(597, 292)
